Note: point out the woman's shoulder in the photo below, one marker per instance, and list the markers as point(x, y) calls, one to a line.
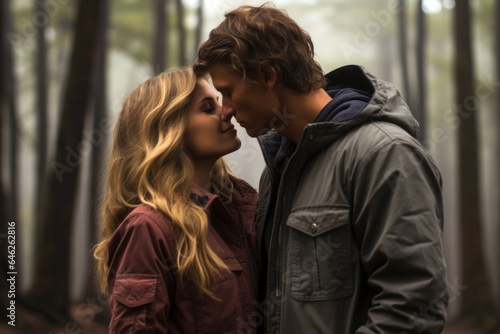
point(145, 216)
point(242, 185)
point(243, 192)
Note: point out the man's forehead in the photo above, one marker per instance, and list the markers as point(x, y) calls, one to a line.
point(222, 75)
point(220, 82)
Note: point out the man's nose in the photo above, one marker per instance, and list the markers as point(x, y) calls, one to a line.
point(227, 112)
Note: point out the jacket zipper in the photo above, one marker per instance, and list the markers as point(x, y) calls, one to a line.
point(281, 254)
point(280, 228)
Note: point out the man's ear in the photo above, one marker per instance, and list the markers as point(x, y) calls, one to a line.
point(269, 74)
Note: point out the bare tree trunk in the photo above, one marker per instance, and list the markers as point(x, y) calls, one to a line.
point(97, 162)
point(421, 67)
point(4, 48)
point(13, 138)
point(12, 198)
point(199, 29)
point(9, 263)
point(181, 32)
point(51, 289)
point(160, 31)
point(403, 54)
point(496, 35)
point(41, 108)
point(476, 299)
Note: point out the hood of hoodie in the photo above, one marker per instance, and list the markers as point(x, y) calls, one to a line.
point(357, 98)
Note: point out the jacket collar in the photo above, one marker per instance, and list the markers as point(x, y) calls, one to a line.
point(385, 104)
point(244, 195)
point(202, 197)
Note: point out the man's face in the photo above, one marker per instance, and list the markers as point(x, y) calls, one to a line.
point(251, 104)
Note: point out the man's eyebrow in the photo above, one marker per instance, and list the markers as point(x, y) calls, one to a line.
point(220, 88)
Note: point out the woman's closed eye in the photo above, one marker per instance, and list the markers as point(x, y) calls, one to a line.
point(208, 108)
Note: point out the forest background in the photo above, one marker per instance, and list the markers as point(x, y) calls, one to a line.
point(67, 65)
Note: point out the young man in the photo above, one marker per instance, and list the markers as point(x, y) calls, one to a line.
point(349, 221)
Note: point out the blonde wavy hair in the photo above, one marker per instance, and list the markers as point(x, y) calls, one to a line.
point(148, 165)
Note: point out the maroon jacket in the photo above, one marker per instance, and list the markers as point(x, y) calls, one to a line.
point(145, 295)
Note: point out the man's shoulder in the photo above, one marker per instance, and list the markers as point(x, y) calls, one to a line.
point(362, 143)
point(374, 134)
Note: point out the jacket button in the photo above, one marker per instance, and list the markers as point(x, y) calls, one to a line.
point(314, 227)
point(311, 137)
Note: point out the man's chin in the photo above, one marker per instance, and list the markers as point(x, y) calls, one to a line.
point(259, 133)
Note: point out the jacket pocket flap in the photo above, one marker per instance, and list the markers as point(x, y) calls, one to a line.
point(315, 221)
point(134, 292)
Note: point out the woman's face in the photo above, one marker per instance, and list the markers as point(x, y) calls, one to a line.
point(207, 137)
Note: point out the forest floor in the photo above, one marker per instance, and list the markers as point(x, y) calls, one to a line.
point(466, 327)
point(32, 323)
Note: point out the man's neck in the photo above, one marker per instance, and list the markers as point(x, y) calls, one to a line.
point(299, 110)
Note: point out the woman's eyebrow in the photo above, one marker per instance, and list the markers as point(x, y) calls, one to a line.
point(206, 99)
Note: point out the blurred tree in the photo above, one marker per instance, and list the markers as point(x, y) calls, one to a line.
point(161, 35)
point(199, 26)
point(403, 54)
point(11, 96)
point(129, 32)
point(384, 46)
point(4, 48)
point(98, 157)
point(420, 113)
point(181, 32)
point(52, 257)
point(40, 60)
point(9, 102)
point(476, 298)
point(496, 34)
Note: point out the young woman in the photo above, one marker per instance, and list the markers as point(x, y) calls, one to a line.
point(177, 251)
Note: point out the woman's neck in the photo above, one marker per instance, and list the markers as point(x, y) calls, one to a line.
point(203, 175)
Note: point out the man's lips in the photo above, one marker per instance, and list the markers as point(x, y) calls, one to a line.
point(229, 128)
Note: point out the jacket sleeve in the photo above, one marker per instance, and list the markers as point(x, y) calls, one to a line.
point(139, 280)
point(397, 221)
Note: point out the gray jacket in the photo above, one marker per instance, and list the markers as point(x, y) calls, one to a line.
point(356, 244)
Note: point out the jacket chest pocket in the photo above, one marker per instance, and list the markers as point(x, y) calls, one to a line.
point(320, 253)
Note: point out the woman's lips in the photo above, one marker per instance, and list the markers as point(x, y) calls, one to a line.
point(229, 128)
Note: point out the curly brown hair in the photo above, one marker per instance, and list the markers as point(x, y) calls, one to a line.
point(252, 37)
